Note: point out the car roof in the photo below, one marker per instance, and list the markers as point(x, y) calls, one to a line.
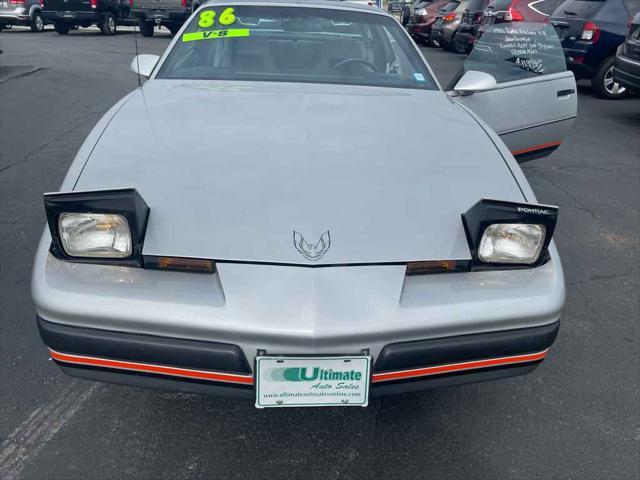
point(329, 4)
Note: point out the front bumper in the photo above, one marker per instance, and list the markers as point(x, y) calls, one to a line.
point(222, 369)
point(292, 310)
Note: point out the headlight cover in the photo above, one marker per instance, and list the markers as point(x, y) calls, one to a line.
point(103, 226)
point(508, 234)
point(99, 235)
point(512, 243)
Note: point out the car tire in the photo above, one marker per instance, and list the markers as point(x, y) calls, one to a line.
point(603, 84)
point(108, 24)
point(146, 29)
point(37, 22)
point(173, 29)
point(458, 46)
point(62, 28)
point(2, 26)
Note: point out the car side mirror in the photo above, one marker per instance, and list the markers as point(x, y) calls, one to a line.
point(474, 81)
point(143, 64)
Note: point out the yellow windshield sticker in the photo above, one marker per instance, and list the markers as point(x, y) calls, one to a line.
point(227, 17)
point(208, 17)
point(211, 34)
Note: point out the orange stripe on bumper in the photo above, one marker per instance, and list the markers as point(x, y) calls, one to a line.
point(457, 367)
point(537, 147)
point(150, 368)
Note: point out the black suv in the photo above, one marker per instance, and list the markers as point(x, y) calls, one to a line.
point(590, 32)
point(626, 70)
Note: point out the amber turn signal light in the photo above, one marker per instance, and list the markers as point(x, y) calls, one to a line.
point(180, 264)
point(437, 266)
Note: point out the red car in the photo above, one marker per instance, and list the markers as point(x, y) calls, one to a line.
point(422, 19)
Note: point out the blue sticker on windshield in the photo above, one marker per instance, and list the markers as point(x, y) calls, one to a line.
point(419, 77)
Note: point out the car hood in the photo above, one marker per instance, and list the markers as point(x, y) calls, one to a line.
point(230, 170)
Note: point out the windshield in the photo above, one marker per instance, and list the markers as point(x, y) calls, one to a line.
point(296, 44)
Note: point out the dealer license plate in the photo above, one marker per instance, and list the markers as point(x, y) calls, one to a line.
point(312, 381)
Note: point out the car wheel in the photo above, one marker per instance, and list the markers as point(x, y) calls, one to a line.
point(173, 29)
point(37, 23)
point(433, 43)
point(61, 27)
point(2, 26)
point(108, 24)
point(603, 84)
point(146, 28)
point(458, 46)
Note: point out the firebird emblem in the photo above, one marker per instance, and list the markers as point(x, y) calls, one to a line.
point(310, 251)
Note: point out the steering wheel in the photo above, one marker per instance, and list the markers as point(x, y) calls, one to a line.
point(355, 60)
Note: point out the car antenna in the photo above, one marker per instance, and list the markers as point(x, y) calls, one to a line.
point(135, 41)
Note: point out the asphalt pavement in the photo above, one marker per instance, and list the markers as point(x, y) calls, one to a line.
point(575, 417)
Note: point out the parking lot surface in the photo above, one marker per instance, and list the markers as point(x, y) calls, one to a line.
point(575, 417)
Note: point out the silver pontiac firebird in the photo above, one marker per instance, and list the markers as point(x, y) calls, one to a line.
point(291, 209)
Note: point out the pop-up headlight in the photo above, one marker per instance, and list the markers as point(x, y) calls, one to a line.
point(102, 235)
point(105, 226)
point(509, 234)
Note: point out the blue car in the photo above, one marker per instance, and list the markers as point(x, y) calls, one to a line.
point(590, 32)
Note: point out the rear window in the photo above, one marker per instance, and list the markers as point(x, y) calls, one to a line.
point(296, 44)
point(579, 8)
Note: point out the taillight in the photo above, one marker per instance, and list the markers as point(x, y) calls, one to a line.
point(449, 17)
point(590, 32)
point(94, 3)
point(131, 3)
point(16, 2)
point(41, 3)
point(184, 3)
point(513, 15)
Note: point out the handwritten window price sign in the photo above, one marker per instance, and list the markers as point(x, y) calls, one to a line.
point(516, 50)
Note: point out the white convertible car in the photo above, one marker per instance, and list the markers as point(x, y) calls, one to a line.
point(244, 223)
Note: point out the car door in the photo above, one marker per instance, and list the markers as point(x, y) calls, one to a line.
point(516, 80)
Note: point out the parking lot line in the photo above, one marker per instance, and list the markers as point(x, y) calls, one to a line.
point(32, 435)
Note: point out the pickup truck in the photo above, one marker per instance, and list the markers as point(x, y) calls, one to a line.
point(106, 14)
point(167, 13)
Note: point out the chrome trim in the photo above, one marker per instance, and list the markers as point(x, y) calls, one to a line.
point(628, 60)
